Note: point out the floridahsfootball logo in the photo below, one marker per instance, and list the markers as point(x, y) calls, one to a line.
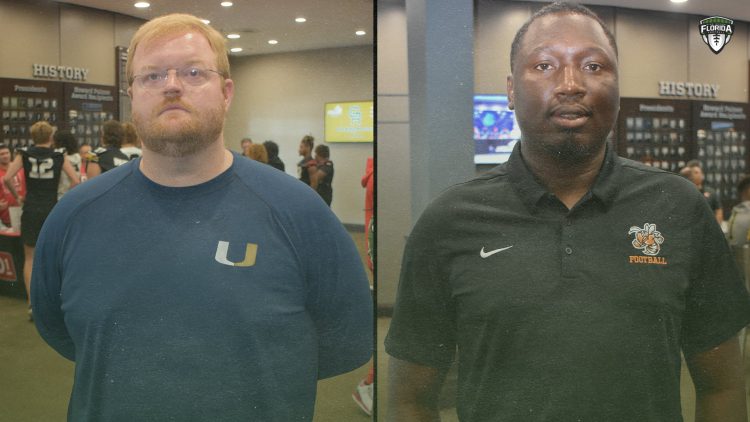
point(647, 239)
point(716, 32)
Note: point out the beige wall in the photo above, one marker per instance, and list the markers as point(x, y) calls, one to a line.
point(45, 32)
point(87, 39)
point(658, 39)
point(496, 24)
point(31, 34)
point(282, 96)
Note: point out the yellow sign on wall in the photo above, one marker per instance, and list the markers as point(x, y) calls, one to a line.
point(349, 121)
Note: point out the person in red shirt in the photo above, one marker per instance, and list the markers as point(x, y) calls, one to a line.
point(364, 393)
point(19, 181)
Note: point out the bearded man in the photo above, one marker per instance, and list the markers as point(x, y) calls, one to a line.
point(192, 284)
point(568, 281)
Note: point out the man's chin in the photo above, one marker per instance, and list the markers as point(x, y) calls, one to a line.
point(573, 149)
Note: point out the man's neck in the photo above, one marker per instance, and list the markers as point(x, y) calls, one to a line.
point(186, 171)
point(568, 182)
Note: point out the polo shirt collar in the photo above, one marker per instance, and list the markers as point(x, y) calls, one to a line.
point(531, 191)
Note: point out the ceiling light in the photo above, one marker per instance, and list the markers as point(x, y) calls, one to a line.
point(227, 3)
point(206, 21)
point(233, 36)
point(273, 42)
point(300, 20)
point(678, 1)
point(235, 49)
point(142, 5)
point(360, 33)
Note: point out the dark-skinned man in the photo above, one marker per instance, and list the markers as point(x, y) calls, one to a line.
point(568, 280)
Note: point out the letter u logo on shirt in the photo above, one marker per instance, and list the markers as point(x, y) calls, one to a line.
point(221, 255)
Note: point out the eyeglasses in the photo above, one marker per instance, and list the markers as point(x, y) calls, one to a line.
point(193, 76)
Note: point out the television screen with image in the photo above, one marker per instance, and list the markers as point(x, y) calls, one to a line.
point(495, 129)
point(349, 121)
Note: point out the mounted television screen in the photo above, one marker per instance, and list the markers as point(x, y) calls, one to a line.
point(495, 129)
point(349, 121)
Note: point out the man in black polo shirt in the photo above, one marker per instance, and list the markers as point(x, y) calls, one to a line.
point(568, 279)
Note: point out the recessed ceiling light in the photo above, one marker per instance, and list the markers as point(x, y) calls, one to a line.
point(142, 4)
point(233, 36)
point(360, 33)
point(227, 3)
point(678, 1)
point(235, 49)
point(206, 21)
point(273, 42)
point(300, 20)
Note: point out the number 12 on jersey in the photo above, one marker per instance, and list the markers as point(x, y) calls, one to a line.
point(41, 168)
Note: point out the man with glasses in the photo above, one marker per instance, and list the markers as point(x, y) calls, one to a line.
point(191, 284)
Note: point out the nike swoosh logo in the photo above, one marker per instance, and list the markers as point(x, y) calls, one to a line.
point(484, 254)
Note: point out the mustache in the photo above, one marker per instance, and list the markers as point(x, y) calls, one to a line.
point(567, 109)
point(169, 104)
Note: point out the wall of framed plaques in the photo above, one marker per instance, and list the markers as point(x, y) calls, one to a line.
point(24, 102)
point(86, 108)
point(655, 132)
point(720, 131)
point(669, 133)
point(78, 107)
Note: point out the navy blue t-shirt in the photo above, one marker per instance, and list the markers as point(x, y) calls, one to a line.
point(222, 301)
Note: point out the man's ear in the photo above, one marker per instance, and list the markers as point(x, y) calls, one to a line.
point(228, 90)
point(511, 93)
point(130, 92)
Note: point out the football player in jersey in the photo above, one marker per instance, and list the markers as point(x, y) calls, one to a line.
point(42, 165)
point(108, 156)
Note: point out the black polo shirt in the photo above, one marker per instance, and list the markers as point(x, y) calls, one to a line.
point(567, 315)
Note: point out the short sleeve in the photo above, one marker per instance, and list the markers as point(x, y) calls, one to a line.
point(423, 328)
point(717, 303)
point(340, 301)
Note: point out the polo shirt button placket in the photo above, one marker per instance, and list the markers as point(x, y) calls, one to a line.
point(567, 247)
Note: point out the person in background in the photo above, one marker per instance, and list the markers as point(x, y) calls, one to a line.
point(108, 156)
point(66, 140)
point(739, 221)
point(364, 393)
point(42, 165)
point(568, 282)
point(368, 183)
point(273, 155)
point(712, 197)
point(245, 144)
point(306, 168)
point(322, 181)
point(193, 284)
point(257, 152)
point(19, 181)
point(131, 144)
point(86, 156)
